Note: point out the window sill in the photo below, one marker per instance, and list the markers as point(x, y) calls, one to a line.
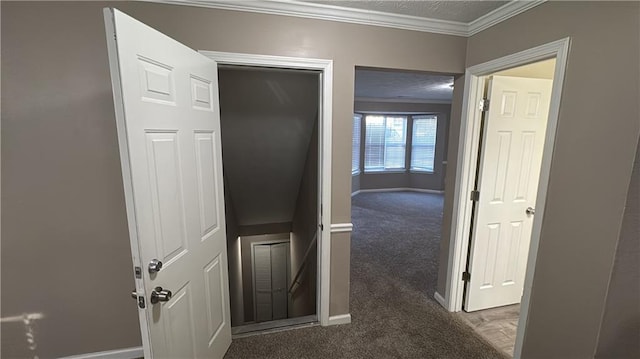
point(423, 172)
point(382, 172)
point(355, 173)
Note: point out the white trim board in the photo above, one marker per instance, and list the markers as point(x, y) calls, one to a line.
point(340, 319)
point(440, 299)
point(341, 227)
point(466, 171)
point(326, 111)
point(365, 17)
point(128, 353)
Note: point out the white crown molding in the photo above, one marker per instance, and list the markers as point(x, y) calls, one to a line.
point(365, 17)
point(501, 14)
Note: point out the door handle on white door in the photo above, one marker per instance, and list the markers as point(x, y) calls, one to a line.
point(155, 266)
point(160, 295)
point(530, 210)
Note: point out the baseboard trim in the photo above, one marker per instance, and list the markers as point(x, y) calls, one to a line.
point(398, 189)
point(128, 353)
point(440, 299)
point(340, 319)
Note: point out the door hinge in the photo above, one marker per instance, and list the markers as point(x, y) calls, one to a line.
point(466, 276)
point(321, 227)
point(475, 196)
point(484, 105)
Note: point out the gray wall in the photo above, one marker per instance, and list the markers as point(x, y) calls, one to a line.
point(620, 330)
point(62, 196)
point(305, 225)
point(266, 119)
point(406, 179)
point(595, 146)
point(234, 260)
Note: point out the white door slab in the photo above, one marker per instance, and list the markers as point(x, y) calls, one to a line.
point(168, 119)
point(508, 183)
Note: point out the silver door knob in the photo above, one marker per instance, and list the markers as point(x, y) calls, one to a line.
point(531, 210)
point(160, 295)
point(155, 266)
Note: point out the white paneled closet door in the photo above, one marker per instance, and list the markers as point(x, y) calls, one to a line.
point(271, 278)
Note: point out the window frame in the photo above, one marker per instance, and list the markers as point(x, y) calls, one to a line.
point(385, 169)
point(357, 118)
point(415, 118)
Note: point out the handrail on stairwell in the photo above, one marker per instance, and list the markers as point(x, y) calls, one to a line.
point(304, 261)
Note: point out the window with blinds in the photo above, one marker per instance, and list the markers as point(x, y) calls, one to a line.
point(423, 143)
point(355, 150)
point(385, 142)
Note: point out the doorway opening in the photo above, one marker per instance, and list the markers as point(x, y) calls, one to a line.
point(400, 132)
point(270, 152)
point(510, 113)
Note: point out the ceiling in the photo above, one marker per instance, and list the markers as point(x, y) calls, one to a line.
point(459, 11)
point(397, 86)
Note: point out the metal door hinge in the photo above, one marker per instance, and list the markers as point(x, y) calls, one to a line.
point(466, 276)
point(321, 227)
point(475, 196)
point(484, 105)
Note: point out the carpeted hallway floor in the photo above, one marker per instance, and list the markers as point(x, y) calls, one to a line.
point(394, 263)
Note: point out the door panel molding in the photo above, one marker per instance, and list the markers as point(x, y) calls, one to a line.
point(475, 78)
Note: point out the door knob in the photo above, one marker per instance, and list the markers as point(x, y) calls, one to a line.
point(155, 266)
point(160, 295)
point(531, 210)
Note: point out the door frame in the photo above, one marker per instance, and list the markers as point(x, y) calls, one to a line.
point(324, 164)
point(468, 147)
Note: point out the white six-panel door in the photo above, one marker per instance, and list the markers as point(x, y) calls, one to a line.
point(511, 157)
point(169, 134)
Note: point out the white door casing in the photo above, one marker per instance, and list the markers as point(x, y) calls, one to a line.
point(167, 112)
point(508, 177)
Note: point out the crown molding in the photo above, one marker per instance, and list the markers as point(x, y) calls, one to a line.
point(364, 17)
point(501, 14)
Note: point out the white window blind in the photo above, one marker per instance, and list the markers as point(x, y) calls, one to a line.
point(355, 151)
point(385, 142)
point(423, 143)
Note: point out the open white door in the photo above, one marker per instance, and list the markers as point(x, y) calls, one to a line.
point(168, 119)
point(509, 171)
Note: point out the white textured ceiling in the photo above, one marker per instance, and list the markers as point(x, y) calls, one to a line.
point(451, 10)
point(402, 86)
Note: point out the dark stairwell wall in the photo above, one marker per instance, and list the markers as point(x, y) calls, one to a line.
point(270, 159)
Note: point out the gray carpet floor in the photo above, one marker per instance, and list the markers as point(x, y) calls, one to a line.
point(394, 264)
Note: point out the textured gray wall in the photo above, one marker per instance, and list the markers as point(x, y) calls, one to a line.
point(595, 146)
point(620, 331)
point(62, 197)
point(266, 119)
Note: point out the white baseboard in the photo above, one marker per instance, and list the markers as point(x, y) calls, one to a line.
point(440, 299)
point(128, 353)
point(400, 189)
point(340, 319)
